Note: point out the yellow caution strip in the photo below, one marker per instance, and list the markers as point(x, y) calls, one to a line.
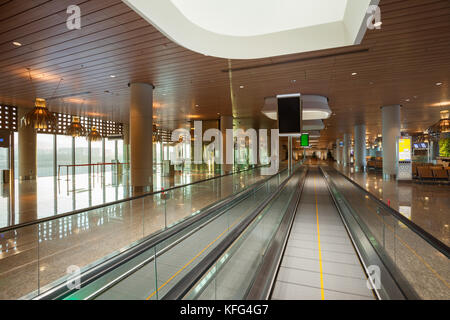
point(318, 241)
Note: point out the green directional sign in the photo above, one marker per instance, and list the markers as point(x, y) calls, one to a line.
point(305, 140)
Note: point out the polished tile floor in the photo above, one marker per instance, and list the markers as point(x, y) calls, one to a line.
point(48, 196)
point(426, 205)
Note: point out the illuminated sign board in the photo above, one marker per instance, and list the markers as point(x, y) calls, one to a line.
point(420, 145)
point(404, 149)
point(304, 140)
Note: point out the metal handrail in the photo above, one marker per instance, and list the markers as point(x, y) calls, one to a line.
point(103, 205)
point(394, 286)
point(435, 243)
point(189, 280)
point(150, 241)
point(264, 281)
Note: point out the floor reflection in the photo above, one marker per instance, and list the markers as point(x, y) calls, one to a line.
point(48, 196)
point(427, 205)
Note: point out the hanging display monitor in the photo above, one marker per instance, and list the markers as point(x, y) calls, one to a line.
point(404, 158)
point(304, 140)
point(289, 114)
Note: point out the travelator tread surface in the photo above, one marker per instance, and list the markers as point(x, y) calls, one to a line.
point(320, 261)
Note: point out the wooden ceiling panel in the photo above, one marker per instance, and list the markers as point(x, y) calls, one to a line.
point(403, 60)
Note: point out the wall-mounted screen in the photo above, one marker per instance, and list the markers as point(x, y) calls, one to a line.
point(289, 114)
point(420, 146)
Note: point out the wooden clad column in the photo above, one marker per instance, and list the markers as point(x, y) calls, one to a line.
point(27, 150)
point(141, 136)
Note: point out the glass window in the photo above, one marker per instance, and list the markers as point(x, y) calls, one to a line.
point(120, 151)
point(81, 154)
point(96, 151)
point(64, 151)
point(16, 155)
point(45, 147)
point(110, 152)
point(4, 158)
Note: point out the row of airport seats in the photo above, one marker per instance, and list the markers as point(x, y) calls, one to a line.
point(421, 171)
point(429, 171)
point(375, 163)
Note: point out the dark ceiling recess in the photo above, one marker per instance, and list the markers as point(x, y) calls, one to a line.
point(330, 55)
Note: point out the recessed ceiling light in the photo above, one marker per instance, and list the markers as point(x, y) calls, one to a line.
point(354, 73)
point(112, 76)
point(17, 44)
point(242, 87)
point(407, 100)
point(439, 83)
point(197, 105)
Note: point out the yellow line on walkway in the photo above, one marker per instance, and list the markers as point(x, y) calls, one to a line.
point(196, 256)
point(318, 240)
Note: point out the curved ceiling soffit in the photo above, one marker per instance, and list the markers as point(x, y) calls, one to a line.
point(167, 18)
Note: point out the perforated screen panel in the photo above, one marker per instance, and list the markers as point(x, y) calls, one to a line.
point(8, 118)
point(9, 121)
point(104, 127)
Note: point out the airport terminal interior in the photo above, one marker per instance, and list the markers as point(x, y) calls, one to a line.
point(225, 150)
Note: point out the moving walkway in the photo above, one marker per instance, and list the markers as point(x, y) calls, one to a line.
point(307, 234)
point(321, 236)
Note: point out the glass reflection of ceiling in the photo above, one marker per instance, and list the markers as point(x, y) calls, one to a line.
point(257, 17)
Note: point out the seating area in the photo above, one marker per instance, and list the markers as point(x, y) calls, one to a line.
point(430, 172)
point(421, 171)
point(375, 163)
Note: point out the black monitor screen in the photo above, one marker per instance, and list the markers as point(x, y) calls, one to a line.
point(289, 115)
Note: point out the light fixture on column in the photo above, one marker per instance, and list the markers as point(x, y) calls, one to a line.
point(94, 135)
point(76, 129)
point(40, 117)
